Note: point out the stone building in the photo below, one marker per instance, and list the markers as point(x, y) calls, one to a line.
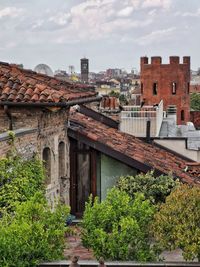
point(83, 152)
point(167, 82)
point(36, 108)
point(100, 153)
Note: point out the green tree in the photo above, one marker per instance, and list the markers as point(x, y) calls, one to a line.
point(177, 223)
point(115, 94)
point(123, 100)
point(117, 228)
point(195, 101)
point(154, 188)
point(32, 234)
point(29, 231)
point(19, 180)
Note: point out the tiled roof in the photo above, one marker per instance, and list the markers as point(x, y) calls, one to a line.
point(131, 149)
point(26, 86)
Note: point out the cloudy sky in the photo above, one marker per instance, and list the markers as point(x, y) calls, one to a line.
point(111, 33)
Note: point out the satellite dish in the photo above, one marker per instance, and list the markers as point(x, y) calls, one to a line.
point(43, 69)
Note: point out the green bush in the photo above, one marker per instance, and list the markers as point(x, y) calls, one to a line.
point(177, 223)
point(154, 188)
point(19, 180)
point(118, 227)
point(195, 101)
point(32, 234)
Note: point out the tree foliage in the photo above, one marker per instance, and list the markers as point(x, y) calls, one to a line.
point(32, 234)
point(19, 180)
point(114, 94)
point(177, 223)
point(154, 188)
point(195, 101)
point(117, 228)
point(29, 231)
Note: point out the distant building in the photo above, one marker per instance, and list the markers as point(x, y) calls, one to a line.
point(61, 75)
point(167, 82)
point(106, 87)
point(113, 73)
point(43, 69)
point(84, 70)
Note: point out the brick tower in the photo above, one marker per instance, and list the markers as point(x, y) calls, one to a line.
point(167, 82)
point(84, 70)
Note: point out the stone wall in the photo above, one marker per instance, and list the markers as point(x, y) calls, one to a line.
point(172, 81)
point(39, 130)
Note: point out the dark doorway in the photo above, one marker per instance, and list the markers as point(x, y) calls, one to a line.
point(82, 176)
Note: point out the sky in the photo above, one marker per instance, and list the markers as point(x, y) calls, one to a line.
point(111, 33)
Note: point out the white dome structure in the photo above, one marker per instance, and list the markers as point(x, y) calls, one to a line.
point(43, 69)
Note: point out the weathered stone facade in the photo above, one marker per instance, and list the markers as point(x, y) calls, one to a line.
point(170, 82)
point(39, 130)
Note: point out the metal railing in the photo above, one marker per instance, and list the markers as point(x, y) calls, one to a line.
point(134, 119)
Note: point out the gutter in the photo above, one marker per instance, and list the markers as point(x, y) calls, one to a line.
point(50, 104)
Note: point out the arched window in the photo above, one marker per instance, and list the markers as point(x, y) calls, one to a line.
point(182, 115)
point(61, 158)
point(46, 156)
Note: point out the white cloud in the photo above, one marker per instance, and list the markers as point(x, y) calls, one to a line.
point(12, 12)
point(157, 3)
point(125, 12)
point(191, 14)
point(60, 19)
point(156, 36)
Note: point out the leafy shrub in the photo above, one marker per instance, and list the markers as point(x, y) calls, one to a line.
point(33, 234)
point(154, 188)
point(195, 101)
point(177, 222)
point(117, 228)
point(29, 231)
point(19, 180)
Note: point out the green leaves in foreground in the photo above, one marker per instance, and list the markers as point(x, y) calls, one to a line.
point(30, 232)
point(154, 188)
point(33, 234)
point(177, 224)
point(19, 181)
point(118, 228)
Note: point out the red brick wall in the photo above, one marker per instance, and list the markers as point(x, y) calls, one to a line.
point(195, 88)
point(195, 118)
point(164, 75)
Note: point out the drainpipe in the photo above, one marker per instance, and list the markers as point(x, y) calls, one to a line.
point(9, 115)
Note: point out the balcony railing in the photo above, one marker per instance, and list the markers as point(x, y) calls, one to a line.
point(134, 119)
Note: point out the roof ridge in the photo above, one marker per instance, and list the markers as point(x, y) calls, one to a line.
point(10, 74)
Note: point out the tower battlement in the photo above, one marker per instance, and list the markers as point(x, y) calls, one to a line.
point(157, 60)
point(168, 82)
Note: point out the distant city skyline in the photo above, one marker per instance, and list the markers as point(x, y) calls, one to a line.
point(110, 33)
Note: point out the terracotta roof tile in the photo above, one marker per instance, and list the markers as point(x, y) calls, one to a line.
point(20, 85)
point(134, 148)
